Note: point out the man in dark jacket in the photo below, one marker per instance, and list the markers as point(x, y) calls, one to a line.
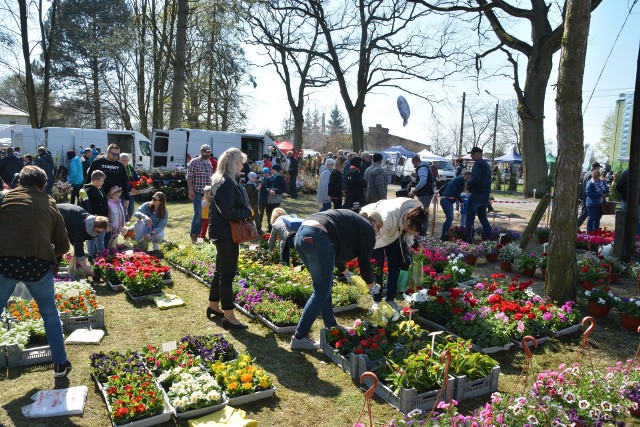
point(44, 160)
point(33, 236)
point(293, 174)
point(423, 189)
point(479, 187)
point(81, 226)
point(583, 193)
point(355, 186)
point(87, 159)
point(9, 166)
point(116, 174)
point(376, 181)
point(451, 193)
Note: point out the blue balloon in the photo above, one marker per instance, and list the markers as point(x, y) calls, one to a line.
point(403, 108)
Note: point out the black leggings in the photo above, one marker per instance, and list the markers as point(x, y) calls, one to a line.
point(226, 268)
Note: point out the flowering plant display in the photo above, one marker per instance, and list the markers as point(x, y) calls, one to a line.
point(458, 232)
point(142, 183)
point(458, 269)
point(198, 259)
point(209, 347)
point(592, 269)
point(509, 235)
point(628, 306)
point(542, 233)
point(65, 259)
point(194, 388)
point(139, 272)
point(22, 309)
point(61, 191)
point(613, 264)
point(82, 304)
point(489, 247)
point(445, 415)
point(164, 361)
point(362, 338)
point(465, 249)
point(105, 364)
point(21, 333)
point(240, 376)
point(526, 262)
point(133, 396)
point(72, 287)
point(280, 313)
point(509, 252)
point(418, 370)
point(592, 239)
point(599, 296)
point(632, 394)
point(542, 261)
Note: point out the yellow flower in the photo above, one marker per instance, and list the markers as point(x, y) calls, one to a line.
point(247, 386)
point(232, 386)
point(265, 382)
point(245, 378)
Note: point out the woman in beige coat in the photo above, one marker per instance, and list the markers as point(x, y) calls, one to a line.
point(402, 218)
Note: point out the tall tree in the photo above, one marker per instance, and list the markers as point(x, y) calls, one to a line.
point(336, 121)
point(604, 147)
point(363, 37)
point(179, 65)
point(545, 41)
point(560, 283)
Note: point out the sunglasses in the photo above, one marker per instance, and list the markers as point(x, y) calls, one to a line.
point(114, 154)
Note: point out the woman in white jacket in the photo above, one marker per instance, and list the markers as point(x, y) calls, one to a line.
point(402, 219)
point(323, 185)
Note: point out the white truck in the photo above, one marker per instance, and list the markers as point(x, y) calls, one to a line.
point(178, 146)
point(60, 140)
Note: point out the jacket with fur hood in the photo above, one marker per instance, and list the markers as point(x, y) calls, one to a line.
point(392, 212)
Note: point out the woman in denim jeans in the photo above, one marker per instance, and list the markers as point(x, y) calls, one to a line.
point(325, 239)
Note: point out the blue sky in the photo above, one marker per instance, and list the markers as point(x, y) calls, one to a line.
point(270, 108)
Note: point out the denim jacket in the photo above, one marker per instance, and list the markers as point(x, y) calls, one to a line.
point(596, 191)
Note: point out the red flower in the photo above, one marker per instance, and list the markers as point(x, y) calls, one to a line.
point(518, 316)
point(531, 316)
point(457, 310)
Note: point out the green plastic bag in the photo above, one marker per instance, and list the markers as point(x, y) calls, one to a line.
point(403, 280)
point(416, 274)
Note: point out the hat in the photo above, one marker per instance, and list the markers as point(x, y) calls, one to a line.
point(252, 175)
point(205, 147)
point(476, 150)
point(329, 162)
point(115, 189)
point(466, 172)
point(276, 167)
point(416, 158)
point(265, 170)
point(595, 165)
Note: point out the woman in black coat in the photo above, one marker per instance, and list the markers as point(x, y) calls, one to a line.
point(335, 182)
point(229, 201)
point(355, 186)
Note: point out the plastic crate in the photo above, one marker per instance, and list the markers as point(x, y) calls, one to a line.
point(408, 399)
point(30, 356)
point(3, 356)
point(70, 323)
point(466, 389)
point(360, 363)
point(343, 362)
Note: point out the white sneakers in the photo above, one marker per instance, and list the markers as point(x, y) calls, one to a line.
point(306, 343)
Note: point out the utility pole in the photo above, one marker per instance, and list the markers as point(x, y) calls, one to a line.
point(631, 217)
point(464, 95)
point(495, 126)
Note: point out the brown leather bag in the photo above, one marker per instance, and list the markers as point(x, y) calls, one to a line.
point(608, 208)
point(243, 230)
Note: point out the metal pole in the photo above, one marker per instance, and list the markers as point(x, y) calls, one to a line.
point(631, 218)
point(464, 95)
point(495, 129)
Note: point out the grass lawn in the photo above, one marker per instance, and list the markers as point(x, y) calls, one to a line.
point(311, 390)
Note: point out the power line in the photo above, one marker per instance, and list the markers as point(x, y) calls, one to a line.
point(609, 56)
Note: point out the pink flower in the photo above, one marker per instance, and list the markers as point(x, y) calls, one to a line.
point(351, 332)
point(547, 316)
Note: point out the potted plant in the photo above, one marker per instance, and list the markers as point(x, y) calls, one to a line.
point(490, 249)
point(632, 394)
point(629, 309)
point(526, 264)
point(614, 268)
point(591, 272)
point(508, 255)
point(542, 234)
point(542, 263)
point(634, 272)
point(599, 302)
point(471, 252)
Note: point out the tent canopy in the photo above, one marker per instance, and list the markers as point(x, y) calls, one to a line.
point(509, 158)
point(551, 158)
point(429, 156)
point(399, 149)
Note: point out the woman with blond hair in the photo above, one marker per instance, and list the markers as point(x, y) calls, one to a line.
point(280, 230)
point(324, 240)
point(152, 219)
point(228, 202)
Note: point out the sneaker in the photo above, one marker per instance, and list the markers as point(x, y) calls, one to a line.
point(395, 306)
point(373, 308)
point(306, 343)
point(61, 370)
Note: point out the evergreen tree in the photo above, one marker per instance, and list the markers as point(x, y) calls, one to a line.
point(336, 121)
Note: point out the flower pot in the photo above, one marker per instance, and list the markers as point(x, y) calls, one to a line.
point(597, 310)
point(613, 277)
point(629, 322)
point(634, 412)
point(528, 272)
point(471, 259)
point(587, 285)
point(494, 258)
point(543, 271)
point(506, 266)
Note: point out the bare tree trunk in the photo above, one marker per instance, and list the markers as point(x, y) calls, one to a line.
point(32, 102)
point(142, 54)
point(179, 69)
point(357, 131)
point(95, 77)
point(47, 43)
point(560, 284)
point(298, 123)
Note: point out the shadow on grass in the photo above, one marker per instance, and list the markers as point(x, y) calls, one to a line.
point(292, 368)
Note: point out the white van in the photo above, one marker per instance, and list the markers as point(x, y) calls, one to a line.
point(178, 146)
point(60, 140)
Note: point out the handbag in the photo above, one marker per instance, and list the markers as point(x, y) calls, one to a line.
point(405, 254)
point(608, 208)
point(243, 230)
point(274, 199)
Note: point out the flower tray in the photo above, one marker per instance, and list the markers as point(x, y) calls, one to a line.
point(540, 340)
point(408, 399)
point(70, 323)
point(204, 411)
point(491, 350)
point(258, 395)
point(166, 414)
point(29, 356)
point(566, 331)
point(345, 308)
point(3, 356)
point(360, 363)
point(430, 324)
point(277, 329)
point(466, 389)
point(117, 287)
point(179, 268)
point(142, 297)
point(468, 284)
point(343, 362)
point(244, 311)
